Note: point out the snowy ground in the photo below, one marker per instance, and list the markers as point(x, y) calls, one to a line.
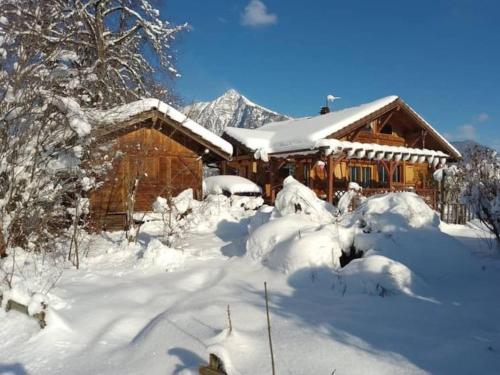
point(123, 314)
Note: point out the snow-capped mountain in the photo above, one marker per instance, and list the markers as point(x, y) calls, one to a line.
point(231, 109)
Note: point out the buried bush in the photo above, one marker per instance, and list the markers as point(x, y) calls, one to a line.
point(349, 255)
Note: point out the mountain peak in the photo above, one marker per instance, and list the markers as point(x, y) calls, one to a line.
point(231, 92)
point(231, 109)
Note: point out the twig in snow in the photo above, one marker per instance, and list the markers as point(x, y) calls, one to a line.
point(229, 319)
point(269, 329)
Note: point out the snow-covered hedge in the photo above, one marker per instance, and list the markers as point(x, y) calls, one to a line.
point(394, 211)
point(298, 198)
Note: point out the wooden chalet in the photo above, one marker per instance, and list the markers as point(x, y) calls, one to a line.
point(152, 148)
point(383, 146)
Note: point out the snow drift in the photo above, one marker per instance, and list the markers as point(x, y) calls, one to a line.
point(395, 211)
point(375, 275)
point(298, 198)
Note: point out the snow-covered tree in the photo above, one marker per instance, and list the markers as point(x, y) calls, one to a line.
point(481, 187)
point(58, 59)
point(103, 52)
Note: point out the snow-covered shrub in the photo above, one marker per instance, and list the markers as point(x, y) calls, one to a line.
point(298, 198)
point(263, 240)
point(176, 214)
point(248, 203)
point(29, 274)
point(375, 275)
point(309, 249)
point(162, 256)
point(395, 211)
point(351, 198)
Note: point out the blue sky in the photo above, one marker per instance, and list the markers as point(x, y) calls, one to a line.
point(441, 57)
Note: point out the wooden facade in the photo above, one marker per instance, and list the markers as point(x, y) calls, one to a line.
point(151, 155)
point(329, 174)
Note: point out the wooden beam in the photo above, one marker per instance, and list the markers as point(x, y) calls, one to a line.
point(386, 120)
point(331, 167)
point(361, 122)
point(416, 141)
point(391, 173)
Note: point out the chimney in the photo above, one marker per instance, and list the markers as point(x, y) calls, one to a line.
point(324, 110)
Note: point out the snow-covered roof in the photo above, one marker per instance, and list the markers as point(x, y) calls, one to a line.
point(372, 151)
point(126, 112)
point(305, 133)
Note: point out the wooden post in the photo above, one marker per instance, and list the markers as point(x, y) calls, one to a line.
point(269, 329)
point(215, 366)
point(391, 172)
point(223, 166)
point(331, 171)
point(309, 177)
point(441, 195)
point(271, 180)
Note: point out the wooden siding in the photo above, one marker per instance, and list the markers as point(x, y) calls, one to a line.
point(161, 163)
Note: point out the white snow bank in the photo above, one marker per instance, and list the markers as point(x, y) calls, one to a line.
point(400, 226)
point(298, 198)
point(159, 255)
point(261, 217)
point(263, 239)
point(296, 233)
point(230, 184)
point(393, 211)
point(248, 203)
point(375, 275)
point(306, 250)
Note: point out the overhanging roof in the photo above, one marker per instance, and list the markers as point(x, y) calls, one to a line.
point(109, 121)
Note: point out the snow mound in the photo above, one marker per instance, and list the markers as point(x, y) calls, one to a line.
point(308, 250)
point(264, 238)
point(375, 275)
point(298, 198)
point(261, 217)
point(159, 255)
point(248, 203)
point(389, 212)
point(229, 184)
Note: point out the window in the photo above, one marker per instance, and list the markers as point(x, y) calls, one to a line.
point(398, 175)
point(367, 176)
point(287, 170)
point(387, 129)
point(361, 175)
point(355, 174)
point(383, 176)
point(307, 174)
